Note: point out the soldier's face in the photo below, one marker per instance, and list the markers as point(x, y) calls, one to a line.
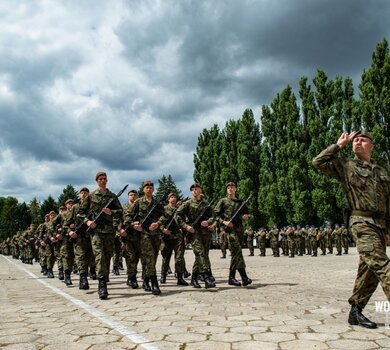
point(132, 197)
point(362, 146)
point(231, 190)
point(196, 192)
point(172, 200)
point(102, 181)
point(83, 194)
point(148, 190)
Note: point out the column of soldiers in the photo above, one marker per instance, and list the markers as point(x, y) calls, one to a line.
point(86, 235)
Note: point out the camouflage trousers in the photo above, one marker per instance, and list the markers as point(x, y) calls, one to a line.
point(223, 242)
point(261, 244)
point(57, 255)
point(66, 254)
point(275, 246)
point(131, 248)
point(251, 247)
point(237, 260)
point(374, 264)
point(337, 243)
point(201, 247)
point(150, 246)
point(83, 253)
point(103, 247)
point(117, 257)
point(49, 258)
point(168, 246)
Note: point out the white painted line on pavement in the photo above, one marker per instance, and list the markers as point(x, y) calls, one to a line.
point(122, 329)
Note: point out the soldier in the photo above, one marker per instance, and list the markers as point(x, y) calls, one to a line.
point(345, 238)
point(189, 217)
point(329, 239)
point(321, 238)
point(290, 234)
point(103, 232)
point(82, 243)
point(143, 216)
point(250, 234)
point(261, 237)
point(131, 243)
point(274, 240)
point(224, 211)
point(367, 189)
point(172, 241)
point(336, 234)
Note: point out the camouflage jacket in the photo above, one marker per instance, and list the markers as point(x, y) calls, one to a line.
point(225, 209)
point(189, 211)
point(366, 186)
point(90, 208)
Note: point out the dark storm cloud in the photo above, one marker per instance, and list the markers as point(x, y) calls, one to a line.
point(128, 86)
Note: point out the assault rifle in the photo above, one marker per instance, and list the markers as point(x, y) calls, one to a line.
point(99, 217)
point(196, 223)
point(145, 222)
point(236, 213)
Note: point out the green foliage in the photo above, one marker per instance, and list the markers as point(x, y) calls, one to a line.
point(166, 185)
point(48, 205)
point(68, 192)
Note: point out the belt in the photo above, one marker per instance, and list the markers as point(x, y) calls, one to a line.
point(369, 214)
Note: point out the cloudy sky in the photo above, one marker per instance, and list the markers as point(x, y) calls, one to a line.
point(127, 86)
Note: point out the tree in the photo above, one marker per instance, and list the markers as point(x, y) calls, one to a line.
point(34, 209)
point(48, 205)
point(68, 192)
point(166, 185)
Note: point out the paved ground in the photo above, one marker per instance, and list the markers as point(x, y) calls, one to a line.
point(293, 304)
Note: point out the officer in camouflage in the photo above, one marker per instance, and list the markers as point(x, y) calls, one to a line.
point(367, 189)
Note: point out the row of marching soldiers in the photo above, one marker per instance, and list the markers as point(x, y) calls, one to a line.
point(84, 234)
point(295, 240)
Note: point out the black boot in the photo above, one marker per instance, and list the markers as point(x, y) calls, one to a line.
point(210, 274)
point(155, 288)
point(83, 283)
point(146, 285)
point(92, 273)
point(120, 265)
point(207, 281)
point(68, 281)
point(115, 270)
point(75, 269)
point(102, 288)
point(244, 277)
point(61, 274)
point(186, 274)
point(169, 272)
point(180, 280)
point(50, 273)
point(132, 282)
point(163, 278)
point(358, 319)
point(194, 281)
point(232, 279)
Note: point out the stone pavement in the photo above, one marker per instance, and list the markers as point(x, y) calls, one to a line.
point(298, 303)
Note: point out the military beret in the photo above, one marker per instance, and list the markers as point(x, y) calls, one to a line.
point(363, 133)
point(52, 213)
point(47, 215)
point(147, 183)
point(194, 185)
point(62, 207)
point(230, 184)
point(84, 189)
point(171, 195)
point(133, 190)
point(100, 173)
point(70, 200)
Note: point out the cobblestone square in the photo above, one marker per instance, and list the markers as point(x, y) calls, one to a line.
point(298, 303)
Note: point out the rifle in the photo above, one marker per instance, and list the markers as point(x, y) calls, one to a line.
point(233, 217)
point(145, 222)
point(98, 218)
point(200, 216)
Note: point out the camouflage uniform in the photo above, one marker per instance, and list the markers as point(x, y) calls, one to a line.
point(249, 233)
point(223, 241)
point(185, 215)
point(290, 234)
point(336, 234)
point(345, 239)
point(274, 240)
point(367, 189)
point(261, 236)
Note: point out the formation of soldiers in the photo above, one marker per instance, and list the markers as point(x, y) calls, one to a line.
point(296, 240)
point(98, 232)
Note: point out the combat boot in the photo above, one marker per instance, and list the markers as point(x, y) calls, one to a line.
point(61, 274)
point(251, 254)
point(210, 274)
point(75, 269)
point(102, 289)
point(169, 272)
point(180, 280)
point(244, 277)
point(207, 281)
point(68, 281)
point(132, 282)
point(50, 273)
point(115, 270)
point(194, 281)
point(232, 279)
point(146, 285)
point(92, 273)
point(120, 265)
point(358, 319)
point(186, 274)
point(163, 278)
point(155, 288)
point(83, 283)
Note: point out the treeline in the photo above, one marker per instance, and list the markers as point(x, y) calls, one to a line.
point(272, 157)
point(15, 216)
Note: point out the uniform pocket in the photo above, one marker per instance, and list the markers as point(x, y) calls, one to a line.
point(365, 248)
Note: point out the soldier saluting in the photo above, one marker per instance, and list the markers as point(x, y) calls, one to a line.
point(367, 188)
